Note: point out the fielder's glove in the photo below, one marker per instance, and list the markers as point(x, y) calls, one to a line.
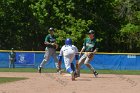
point(90, 55)
point(55, 45)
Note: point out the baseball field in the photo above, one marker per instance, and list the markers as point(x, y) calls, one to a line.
point(27, 80)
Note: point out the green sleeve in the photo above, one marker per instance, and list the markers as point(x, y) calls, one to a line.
point(47, 38)
point(84, 44)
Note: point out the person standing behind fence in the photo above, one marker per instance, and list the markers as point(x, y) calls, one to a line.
point(90, 48)
point(12, 58)
point(50, 50)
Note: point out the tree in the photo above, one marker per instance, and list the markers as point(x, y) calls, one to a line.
point(17, 25)
point(129, 34)
point(60, 15)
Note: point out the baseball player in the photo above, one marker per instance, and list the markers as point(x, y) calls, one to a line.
point(12, 58)
point(69, 52)
point(89, 49)
point(50, 50)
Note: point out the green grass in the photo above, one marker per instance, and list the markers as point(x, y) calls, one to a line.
point(18, 70)
point(10, 79)
point(34, 70)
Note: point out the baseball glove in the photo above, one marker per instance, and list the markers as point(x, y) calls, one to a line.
point(55, 45)
point(89, 54)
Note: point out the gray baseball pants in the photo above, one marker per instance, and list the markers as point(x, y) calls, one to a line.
point(48, 53)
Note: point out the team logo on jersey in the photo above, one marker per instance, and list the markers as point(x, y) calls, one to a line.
point(89, 45)
point(52, 40)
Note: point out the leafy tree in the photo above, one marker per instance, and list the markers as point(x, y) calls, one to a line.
point(17, 25)
point(24, 23)
point(60, 15)
point(128, 39)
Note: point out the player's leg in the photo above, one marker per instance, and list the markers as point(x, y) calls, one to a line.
point(57, 63)
point(69, 69)
point(72, 56)
point(80, 62)
point(13, 64)
point(10, 63)
point(87, 63)
point(72, 67)
point(74, 70)
point(44, 61)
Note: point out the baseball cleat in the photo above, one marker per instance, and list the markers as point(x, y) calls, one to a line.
point(72, 76)
point(59, 72)
point(77, 74)
point(73, 79)
point(39, 69)
point(95, 74)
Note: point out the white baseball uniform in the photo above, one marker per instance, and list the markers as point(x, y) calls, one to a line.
point(68, 52)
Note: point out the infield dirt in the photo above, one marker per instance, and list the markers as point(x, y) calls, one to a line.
point(55, 83)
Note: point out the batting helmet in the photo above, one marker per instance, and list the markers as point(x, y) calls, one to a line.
point(68, 41)
point(51, 29)
point(91, 32)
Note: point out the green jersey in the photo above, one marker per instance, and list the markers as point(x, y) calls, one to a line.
point(89, 45)
point(12, 55)
point(51, 39)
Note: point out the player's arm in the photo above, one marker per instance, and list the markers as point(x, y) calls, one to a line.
point(76, 54)
point(60, 57)
point(95, 49)
point(51, 44)
point(77, 58)
point(83, 48)
point(47, 43)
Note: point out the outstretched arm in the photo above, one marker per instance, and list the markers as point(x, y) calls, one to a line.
point(81, 51)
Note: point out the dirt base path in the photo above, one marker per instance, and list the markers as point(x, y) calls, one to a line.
point(54, 83)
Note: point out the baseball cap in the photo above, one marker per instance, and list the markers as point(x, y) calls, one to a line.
point(91, 32)
point(51, 29)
